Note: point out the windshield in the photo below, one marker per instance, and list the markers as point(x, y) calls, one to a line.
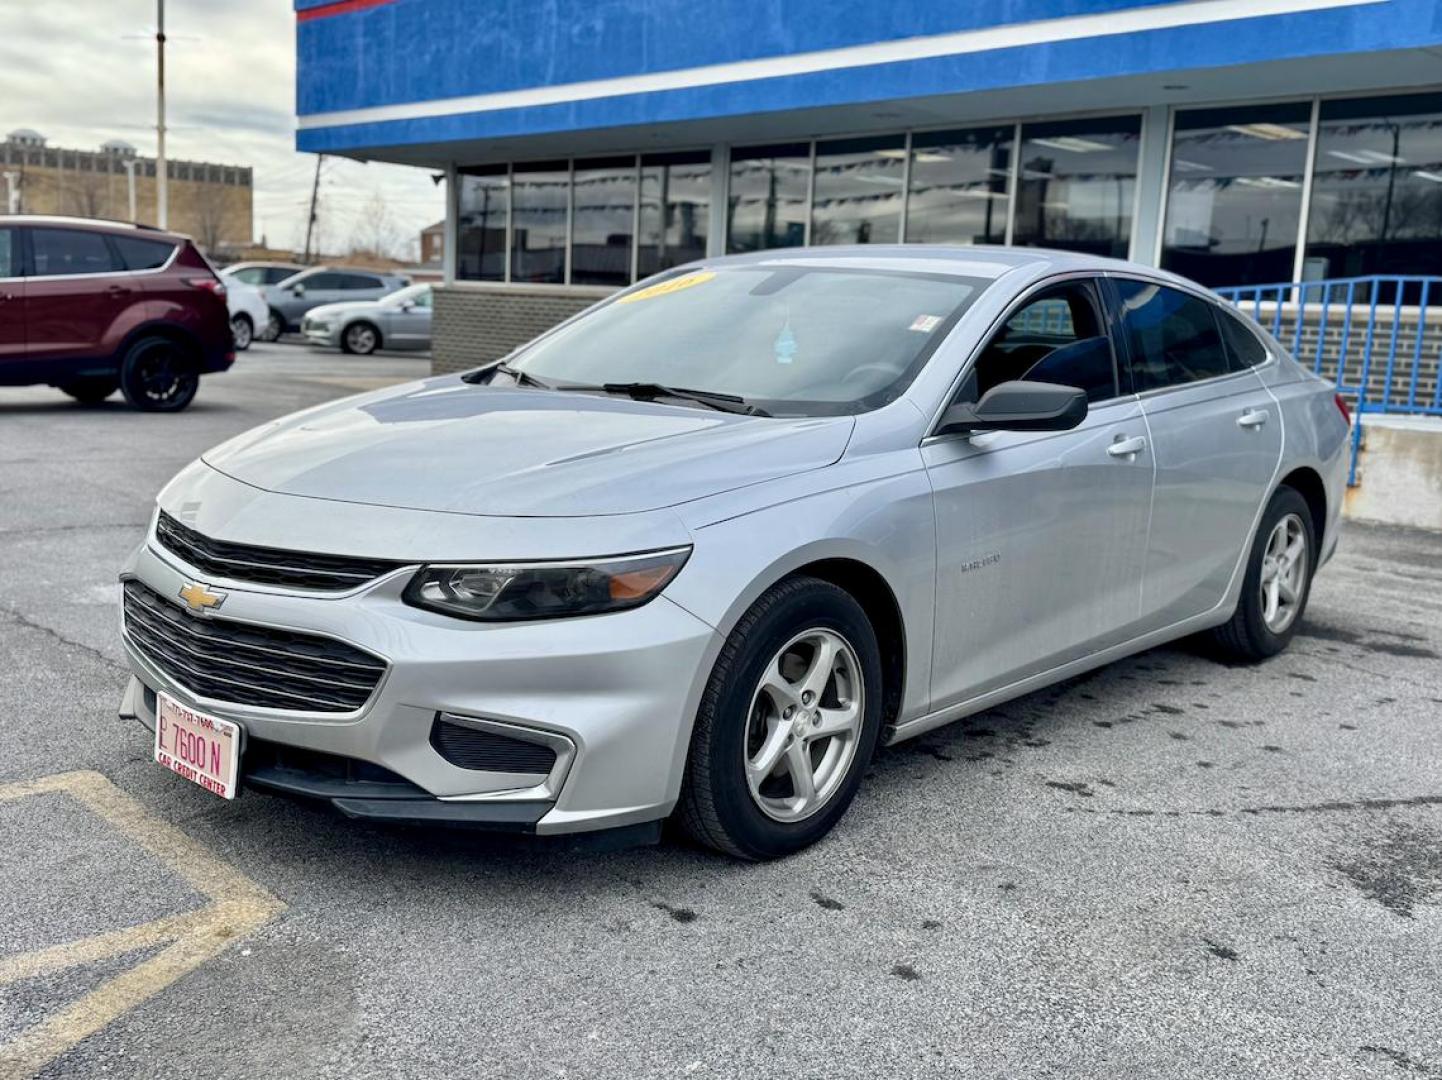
point(788, 339)
point(411, 294)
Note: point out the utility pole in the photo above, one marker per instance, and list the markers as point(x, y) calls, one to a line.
point(12, 191)
point(314, 196)
point(130, 164)
point(162, 209)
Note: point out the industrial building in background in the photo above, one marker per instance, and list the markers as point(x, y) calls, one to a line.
point(211, 203)
point(1235, 141)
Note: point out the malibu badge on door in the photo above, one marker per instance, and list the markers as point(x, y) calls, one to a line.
point(203, 749)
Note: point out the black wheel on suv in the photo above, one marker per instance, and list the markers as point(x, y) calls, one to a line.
point(92, 389)
point(158, 375)
point(787, 724)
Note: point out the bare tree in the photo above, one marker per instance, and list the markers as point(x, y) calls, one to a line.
point(375, 231)
point(210, 215)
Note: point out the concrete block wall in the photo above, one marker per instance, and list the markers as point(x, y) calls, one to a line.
point(473, 324)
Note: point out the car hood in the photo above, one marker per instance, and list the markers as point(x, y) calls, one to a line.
point(447, 445)
point(336, 311)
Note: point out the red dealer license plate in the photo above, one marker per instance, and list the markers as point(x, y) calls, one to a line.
point(203, 749)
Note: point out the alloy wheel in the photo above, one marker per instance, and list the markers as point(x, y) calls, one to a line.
point(1284, 573)
point(240, 331)
point(163, 375)
point(804, 725)
point(361, 339)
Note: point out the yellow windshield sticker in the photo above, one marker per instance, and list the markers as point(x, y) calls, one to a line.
point(666, 287)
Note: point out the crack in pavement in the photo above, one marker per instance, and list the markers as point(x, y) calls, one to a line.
point(25, 621)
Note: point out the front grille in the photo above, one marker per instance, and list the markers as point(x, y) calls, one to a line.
point(249, 665)
point(473, 748)
point(267, 566)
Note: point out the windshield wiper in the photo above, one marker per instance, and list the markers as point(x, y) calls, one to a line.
point(483, 375)
point(646, 391)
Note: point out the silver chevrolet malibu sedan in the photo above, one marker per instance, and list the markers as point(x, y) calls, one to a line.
point(698, 551)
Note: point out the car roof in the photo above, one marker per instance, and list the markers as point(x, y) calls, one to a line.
point(97, 224)
point(264, 264)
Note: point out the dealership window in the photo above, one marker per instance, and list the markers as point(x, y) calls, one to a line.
point(540, 209)
point(482, 209)
point(857, 195)
point(959, 186)
point(1377, 188)
point(1077, 185)
point(767, 203)
point(603, 221)
point(1235, 198)
point(675, 205)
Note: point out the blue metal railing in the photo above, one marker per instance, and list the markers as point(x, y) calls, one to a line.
point(1376, 337)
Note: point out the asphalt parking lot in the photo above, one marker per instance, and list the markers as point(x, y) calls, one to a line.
point(1166, 868)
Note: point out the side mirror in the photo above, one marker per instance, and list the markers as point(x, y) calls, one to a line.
point(1018, 406)
point(409, 305)
point(297, 289)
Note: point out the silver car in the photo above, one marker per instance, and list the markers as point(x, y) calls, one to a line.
point(401, 320)
point(290, 299)
point(699, 550)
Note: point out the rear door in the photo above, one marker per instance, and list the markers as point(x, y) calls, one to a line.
point(362, 287)
point(1217, 440)
point(77, 288)
point(12, 299)
point(1039, 535)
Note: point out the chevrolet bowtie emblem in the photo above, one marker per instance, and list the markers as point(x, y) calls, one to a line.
point(200, 598)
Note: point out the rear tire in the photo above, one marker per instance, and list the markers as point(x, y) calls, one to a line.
point(158, 375)
point(360, 338)
point(92, 389)
point(242, 332)
point(273, 328)
point(1277, 583)
point(812, 634)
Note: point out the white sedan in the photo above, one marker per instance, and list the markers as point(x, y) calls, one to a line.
point(248, 310)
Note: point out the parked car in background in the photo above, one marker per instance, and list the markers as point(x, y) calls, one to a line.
point(248, 311)
point(290, 299)
point(401, 320)
point(94, 306)
point(702, 548)
point(261, 274)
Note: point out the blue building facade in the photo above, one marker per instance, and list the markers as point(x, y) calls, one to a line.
point(591, 142)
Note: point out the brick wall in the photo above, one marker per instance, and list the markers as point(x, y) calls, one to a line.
point(476, 323)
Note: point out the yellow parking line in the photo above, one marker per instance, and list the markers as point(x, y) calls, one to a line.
point(237, 906)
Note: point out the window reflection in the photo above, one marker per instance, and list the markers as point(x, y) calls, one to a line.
point(857, 198)
point(603, 221)
point(1077, 183)
point(767, 203)
point(484, 198)
point(675, 208)
point(959, 186)
point(540, 195)
point(1377, 188)
point(1235, 197)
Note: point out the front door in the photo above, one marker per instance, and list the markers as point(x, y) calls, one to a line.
point(1217, 438)
point(1039, 534)
point(12, 300)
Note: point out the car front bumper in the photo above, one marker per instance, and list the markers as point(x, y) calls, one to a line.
point(320, 334)
point(616, 693)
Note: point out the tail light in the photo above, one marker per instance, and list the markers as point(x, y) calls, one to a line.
point(1343, 409)
point(209, 284)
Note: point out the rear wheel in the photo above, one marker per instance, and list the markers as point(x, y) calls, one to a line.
point(274, 327)
point(787, 725)
point(93, 389)
point(1277, 584)
point(158, 375)
point(360, 338)
point(241, 331)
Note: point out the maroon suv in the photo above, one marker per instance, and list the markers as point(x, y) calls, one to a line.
point(96, 306)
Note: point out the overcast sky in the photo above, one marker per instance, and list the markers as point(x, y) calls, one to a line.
point(83, 71)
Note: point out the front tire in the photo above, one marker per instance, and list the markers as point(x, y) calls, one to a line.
point(274, 327)
point(92, 389)
point(1277, 583)
point(360, 338)
point(787, 724)
point(158, 375)
point(242, 332)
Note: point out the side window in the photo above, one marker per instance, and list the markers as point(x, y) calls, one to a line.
point(9, 253)
point(1059, 337)
point(359, 281)
point(251, 275)
point(1243, 346)
point(1172, 335)
point(140, 254)
point(323, 281)
point(273, 275)
point(423, 299)
point(71, 251)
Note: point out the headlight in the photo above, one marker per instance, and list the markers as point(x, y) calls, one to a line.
point(509, 592)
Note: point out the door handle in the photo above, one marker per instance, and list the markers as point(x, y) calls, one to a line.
point(1253, 418)
point(1127, 448)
